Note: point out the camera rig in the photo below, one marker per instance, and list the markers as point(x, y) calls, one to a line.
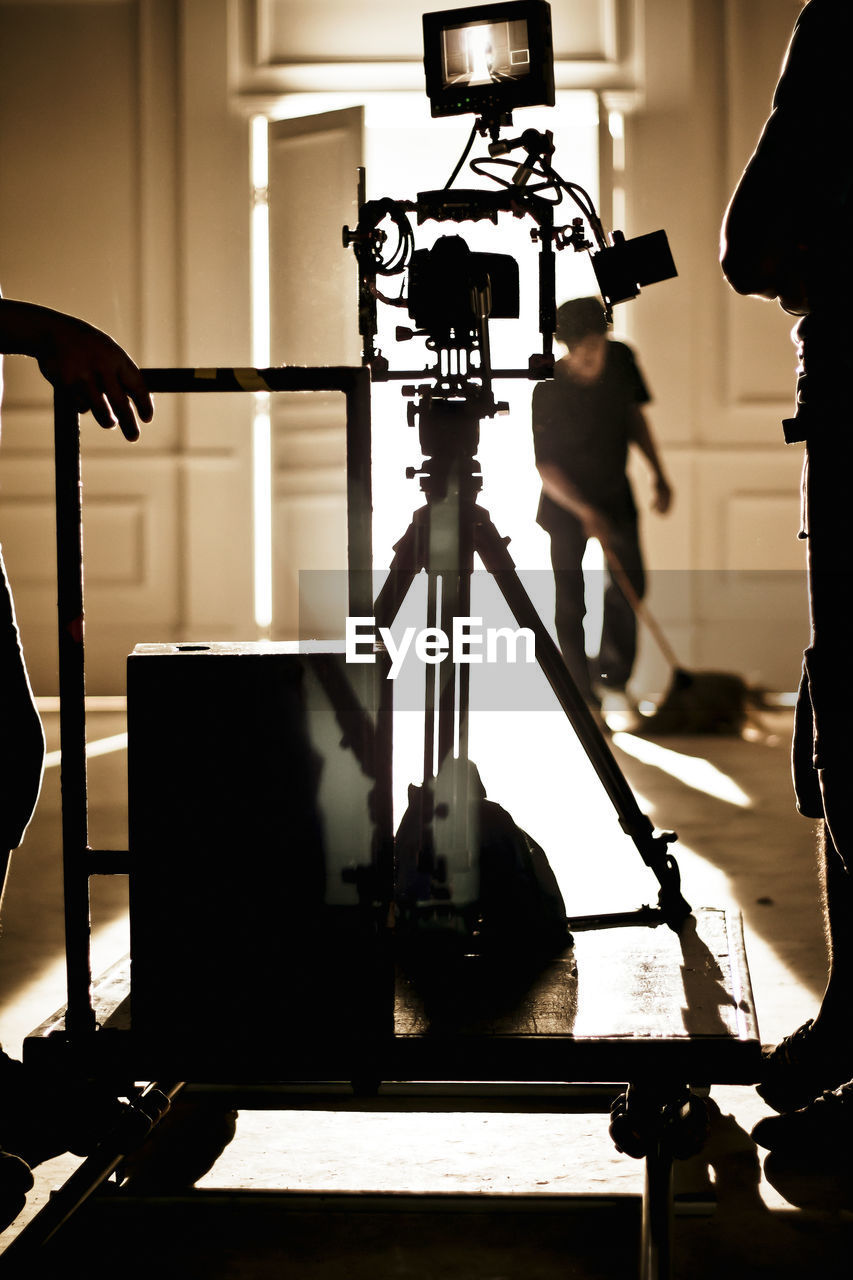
point(453, 292)
point(483, 59)
point(488, 59)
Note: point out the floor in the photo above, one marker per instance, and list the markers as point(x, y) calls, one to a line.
point(740, 843)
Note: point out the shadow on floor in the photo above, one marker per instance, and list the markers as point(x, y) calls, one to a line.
point(722, 1226)
point(233, 1237)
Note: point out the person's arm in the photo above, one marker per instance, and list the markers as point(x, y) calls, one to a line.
point(640, 434)
point(560, 489)
point(80, 359)
point(556, 484)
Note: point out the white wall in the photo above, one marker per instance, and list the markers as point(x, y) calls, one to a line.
point(124, 197)
point(124, 192)
point(729, 569)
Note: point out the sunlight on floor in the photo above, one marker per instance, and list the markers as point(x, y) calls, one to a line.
point(533, 764)
point(693, 771)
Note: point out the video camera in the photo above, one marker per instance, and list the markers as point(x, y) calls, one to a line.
point(487, 60)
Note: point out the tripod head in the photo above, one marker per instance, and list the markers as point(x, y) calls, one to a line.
point(449, 437)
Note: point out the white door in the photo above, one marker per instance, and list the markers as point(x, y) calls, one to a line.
point(313, 173)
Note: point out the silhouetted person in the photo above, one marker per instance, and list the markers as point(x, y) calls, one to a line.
point(584, 422)
point(102, 379)
point(787, 235)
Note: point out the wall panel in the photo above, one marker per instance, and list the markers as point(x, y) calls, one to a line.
point(124, 198)
point(87, 223)
point(309, 519)
point(332, 45)
point(335, 29)
point(758, 355)
point(721, 366)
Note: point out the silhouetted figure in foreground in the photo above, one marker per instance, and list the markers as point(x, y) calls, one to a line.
point(102, 379)
point(787, 236)
point(584, 422)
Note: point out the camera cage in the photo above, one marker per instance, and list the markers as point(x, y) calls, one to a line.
point(532, 188)
point(621, 266)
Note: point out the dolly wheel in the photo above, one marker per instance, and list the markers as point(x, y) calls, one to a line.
point(641, 1119)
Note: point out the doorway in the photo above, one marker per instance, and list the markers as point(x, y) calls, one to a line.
point(403, 151)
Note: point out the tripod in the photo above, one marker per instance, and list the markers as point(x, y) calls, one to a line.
point(443, 537)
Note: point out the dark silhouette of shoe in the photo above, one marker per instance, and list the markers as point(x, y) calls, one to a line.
point(823, 1185)
point(824, 1126)
point(42, 1117)
point(16, 1179)
point(800, 1067)
point(181, 1148)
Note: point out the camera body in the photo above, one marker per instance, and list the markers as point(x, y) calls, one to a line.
point(446, 281)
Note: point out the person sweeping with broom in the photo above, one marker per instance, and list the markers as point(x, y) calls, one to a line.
point(584, 422)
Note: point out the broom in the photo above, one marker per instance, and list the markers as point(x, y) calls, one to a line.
point(696, 701)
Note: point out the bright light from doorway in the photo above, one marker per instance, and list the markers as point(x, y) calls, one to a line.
point(262, 511)
point(693, 771)
point(261, 429)
point(478, 55)
point(405, 152)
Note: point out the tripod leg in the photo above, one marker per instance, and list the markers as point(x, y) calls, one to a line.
point(653, 849)
point(404, 566)
point(439, 541)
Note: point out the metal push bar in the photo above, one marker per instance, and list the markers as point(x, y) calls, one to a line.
point(79, 860)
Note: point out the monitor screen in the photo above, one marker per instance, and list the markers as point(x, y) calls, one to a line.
point(481, 53)
point(489, 58)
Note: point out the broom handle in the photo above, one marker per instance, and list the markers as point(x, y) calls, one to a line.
point(637, 605)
